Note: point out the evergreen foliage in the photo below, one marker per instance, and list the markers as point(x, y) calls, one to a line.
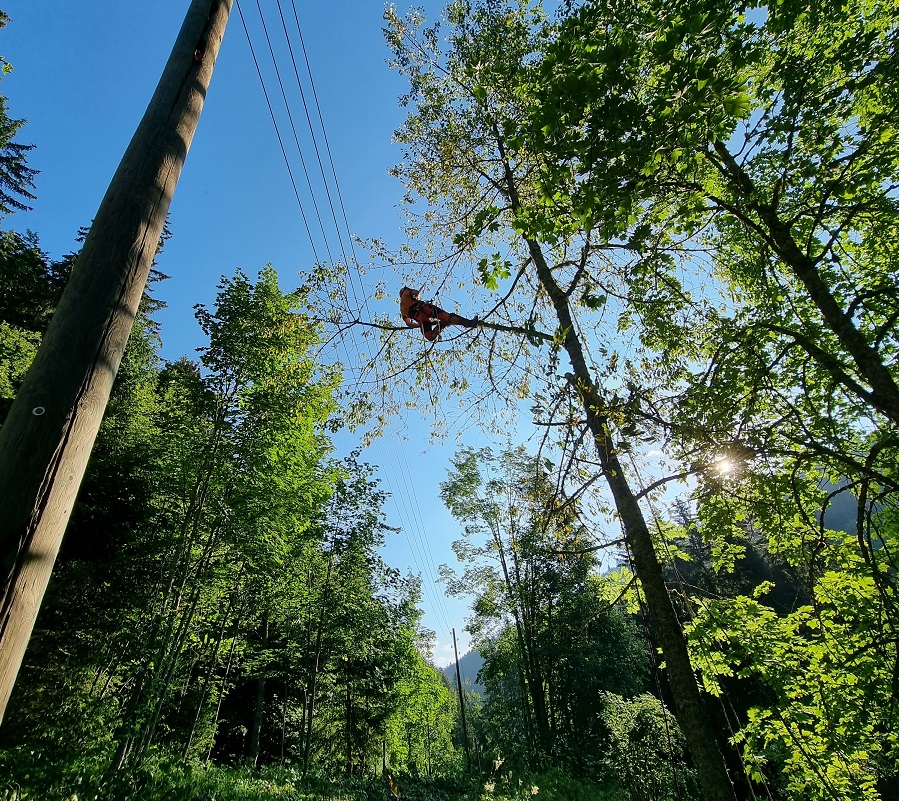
point(16, 177)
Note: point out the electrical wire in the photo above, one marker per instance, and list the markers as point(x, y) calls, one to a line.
point(293, 128)
point(324, 133)
point(277, 130)
point(312, 131)
point(399, 456)
point(410, 512)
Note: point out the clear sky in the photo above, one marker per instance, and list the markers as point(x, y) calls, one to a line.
point(83, 74)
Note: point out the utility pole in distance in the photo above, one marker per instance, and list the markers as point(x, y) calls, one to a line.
point(48, 435)
point(461, 704)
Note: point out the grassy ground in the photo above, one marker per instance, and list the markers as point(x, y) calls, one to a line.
point(173, 781)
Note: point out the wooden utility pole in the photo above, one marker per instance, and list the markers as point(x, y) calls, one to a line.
point(48, 435)
point(462, 704)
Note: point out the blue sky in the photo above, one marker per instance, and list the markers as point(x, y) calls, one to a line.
point(83, 74)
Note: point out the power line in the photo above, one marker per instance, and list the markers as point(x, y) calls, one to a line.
point(406, 475)
point(294, 130)
point(311, 129)
point(277, 131)
point(324, 133)
point(399, 456)
point(421, 552)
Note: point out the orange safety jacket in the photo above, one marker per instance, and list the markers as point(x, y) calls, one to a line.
point(408, 300)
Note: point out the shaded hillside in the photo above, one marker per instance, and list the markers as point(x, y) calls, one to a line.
point(469, 665)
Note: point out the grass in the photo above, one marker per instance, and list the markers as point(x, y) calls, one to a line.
point(165, 779)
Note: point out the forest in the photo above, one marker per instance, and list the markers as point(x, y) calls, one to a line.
point(678, 223)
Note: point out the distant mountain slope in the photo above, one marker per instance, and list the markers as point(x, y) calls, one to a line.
point(469, 665)
point(842, 511)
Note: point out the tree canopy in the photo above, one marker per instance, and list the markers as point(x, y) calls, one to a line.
point(677, 224)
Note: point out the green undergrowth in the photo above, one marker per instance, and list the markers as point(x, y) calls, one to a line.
point(166, 779)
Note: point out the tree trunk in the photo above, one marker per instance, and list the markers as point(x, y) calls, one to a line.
point(524, 676)
point(429, 744)
point(536, 681)
point(871, 367)
point(349, 734)
point(462, 704)
point(689, 705)
point(256, 731)
point(218, 705)
point(307, 746)
point(211, 669)
point(170, 653)
point(284, 719)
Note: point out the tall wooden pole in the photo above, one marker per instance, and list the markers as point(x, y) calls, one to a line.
point(462, 704)
point(50, 430)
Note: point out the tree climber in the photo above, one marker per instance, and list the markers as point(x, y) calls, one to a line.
point(425, 315)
